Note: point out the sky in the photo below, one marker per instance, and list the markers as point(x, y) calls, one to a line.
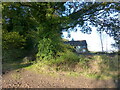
point(93, 40)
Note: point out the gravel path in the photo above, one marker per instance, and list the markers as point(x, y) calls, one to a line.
point(30, 79)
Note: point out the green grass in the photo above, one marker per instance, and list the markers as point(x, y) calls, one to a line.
point(73, 74)
point(42, 68)
point(95, 66)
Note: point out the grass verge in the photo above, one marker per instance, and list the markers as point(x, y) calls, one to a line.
point(92, 66)
point(97, 66)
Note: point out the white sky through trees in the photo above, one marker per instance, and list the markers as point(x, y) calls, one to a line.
point(93, 40)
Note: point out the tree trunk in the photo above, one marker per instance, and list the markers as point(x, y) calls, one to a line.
point(101, 41)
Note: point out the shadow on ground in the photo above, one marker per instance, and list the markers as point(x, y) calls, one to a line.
point(13, 65)
point(16, 59)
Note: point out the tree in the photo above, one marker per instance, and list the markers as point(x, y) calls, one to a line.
point(100, 33)
point(103, 15)
point(38, 23)
point(42, 21)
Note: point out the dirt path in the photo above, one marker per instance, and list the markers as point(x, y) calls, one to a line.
point(29, 79)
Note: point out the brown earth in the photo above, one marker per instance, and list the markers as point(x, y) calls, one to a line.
point(29, 79)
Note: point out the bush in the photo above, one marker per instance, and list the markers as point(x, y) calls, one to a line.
point(13, 45)
point(46, 49)
point(12, 40)
point(46, 43)
point(67, 57)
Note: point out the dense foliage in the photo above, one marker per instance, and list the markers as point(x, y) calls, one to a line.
point(13, 40)
point(38, 25)
point(32, 26)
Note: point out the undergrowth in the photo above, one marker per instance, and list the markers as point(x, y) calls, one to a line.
point(71, 64)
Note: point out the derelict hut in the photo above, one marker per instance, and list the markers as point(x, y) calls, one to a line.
point(80, 46)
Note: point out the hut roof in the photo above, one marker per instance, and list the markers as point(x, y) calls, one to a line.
point(77, 43)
